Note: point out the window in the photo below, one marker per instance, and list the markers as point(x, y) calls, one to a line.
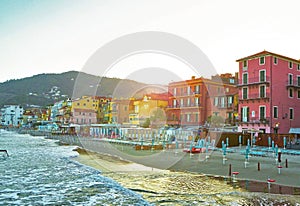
point(188, 117)
point(174, 102)
point(298, 67)
point(174, 91)
point(262, 60)
point(298, 93)
point(188, 102)
point(245, 114)
point(189, 90)
point(196, 101)
point(216, 101)
point(245, 93)
point(181, 91)
point(230, 100)
point(222, 102)
point(275, 112)
point(245, 63)
point(196, 117)
point(298, 81)
point(245, 78)
point(181, 102)
point(291, 113)
point(291, 92)
point(290, 79)
point(291, 65)
point(262, 112)
point(275, 60)
point(197, 90)
point(125, 108)
point(262, 75)
point(262, 91)
point(78, 104)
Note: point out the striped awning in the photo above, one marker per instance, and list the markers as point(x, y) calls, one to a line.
point(294, 130)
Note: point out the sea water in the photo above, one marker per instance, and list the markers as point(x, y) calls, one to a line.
point(39, 172)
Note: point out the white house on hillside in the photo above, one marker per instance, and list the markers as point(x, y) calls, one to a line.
point(12, 115)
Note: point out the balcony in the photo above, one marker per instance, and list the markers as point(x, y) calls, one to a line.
point(255, 96)
point(253, 120)
point(226, 106)
point(254, 81)
point(293, 84)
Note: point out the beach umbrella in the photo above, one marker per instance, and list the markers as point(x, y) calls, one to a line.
point(247, 153)
point(224, 148)
point(269, 141)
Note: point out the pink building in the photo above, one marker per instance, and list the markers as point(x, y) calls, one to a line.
point(269, 92)
point(83, 116)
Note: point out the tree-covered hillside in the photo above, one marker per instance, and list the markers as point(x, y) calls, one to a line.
point(45, 89)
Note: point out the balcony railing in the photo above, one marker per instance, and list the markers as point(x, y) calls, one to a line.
point(295, 84)
point(255, 96)
point(253, 120)
point(254, 81)
point(184, 105)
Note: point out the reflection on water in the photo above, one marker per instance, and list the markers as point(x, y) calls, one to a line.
point(176, 188)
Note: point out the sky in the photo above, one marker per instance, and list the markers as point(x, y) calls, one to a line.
point(55, 36)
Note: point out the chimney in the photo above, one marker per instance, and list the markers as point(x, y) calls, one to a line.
point(193, 77)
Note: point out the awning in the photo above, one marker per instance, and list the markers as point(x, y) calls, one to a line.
point(294, 130)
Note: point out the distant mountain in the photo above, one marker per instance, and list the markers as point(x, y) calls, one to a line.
point(46, 89)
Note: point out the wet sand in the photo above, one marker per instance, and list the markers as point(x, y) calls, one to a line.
point(166, 187)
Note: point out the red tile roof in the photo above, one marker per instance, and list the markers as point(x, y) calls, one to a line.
point(263, 53)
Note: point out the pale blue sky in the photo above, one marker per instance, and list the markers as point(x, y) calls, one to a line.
point(53, 36)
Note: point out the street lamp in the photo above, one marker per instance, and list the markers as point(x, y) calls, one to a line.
point(276, 127)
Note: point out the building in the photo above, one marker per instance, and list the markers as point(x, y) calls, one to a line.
point(119, 111)
point(96, 103)
point(269, 92)
point(12, 115)
point(149, 110)
point(195, 102)
point(83, 116)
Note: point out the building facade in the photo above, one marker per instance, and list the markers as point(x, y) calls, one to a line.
point(12, 115)
point(269, 92)
point(195, 101)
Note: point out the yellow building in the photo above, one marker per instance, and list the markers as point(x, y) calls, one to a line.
point(150, 109)
point(95, 103)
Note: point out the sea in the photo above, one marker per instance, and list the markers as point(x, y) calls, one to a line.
point(40, 172)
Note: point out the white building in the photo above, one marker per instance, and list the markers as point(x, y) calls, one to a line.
point(12, 115)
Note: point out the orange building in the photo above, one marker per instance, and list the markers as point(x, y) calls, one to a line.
point(193, 102)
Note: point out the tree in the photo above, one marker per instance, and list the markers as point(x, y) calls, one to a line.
point(215, 120)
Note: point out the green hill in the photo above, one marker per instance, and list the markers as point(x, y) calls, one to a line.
point(46, 89)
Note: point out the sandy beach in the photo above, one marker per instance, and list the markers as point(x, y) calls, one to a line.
point(172, 187)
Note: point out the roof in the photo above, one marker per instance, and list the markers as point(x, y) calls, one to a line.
point(263, 53)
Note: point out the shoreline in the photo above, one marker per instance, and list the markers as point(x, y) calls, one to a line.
point(158, 185)
point(176, 160)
